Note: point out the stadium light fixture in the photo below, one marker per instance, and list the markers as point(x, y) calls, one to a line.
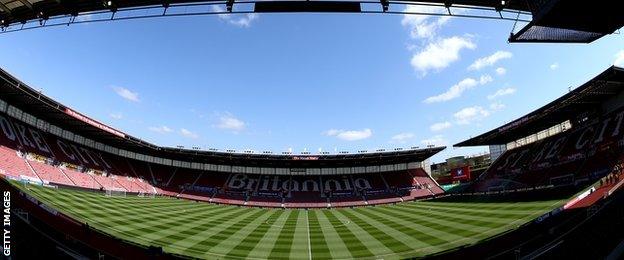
point(385, 4)
point(165, 6)
point(447, 5)
point(111, 6)
point(229, 5)
point(500, 7)
point(72, 18)
point(42, 18)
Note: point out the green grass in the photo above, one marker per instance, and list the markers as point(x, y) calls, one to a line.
point(204, 230)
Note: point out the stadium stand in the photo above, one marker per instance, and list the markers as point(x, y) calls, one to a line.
point(13, 164)
point(49, 173)
point(84, 180)
point(61, 162)
point(579, 155)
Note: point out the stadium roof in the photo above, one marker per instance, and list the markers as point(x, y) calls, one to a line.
point(585, 98)
point(18, 94)
point(17, 15)
point(570, 21)
point(21, 11)
point(552, 20)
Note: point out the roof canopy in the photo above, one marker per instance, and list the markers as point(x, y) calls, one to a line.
point(16, 12)
point(570, 21)
point(553, 20)
point(21, 11)
point(585, 98)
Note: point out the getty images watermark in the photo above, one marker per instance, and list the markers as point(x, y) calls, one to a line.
point(6, 223)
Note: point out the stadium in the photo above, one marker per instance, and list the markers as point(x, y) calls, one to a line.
point(550, 185)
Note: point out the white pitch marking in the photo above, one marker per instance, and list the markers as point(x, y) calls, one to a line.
point(309, 243)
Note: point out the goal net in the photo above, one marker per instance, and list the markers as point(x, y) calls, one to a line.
point(115, 193)
point(146, 195)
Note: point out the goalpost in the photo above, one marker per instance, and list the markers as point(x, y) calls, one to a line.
point(115, 193)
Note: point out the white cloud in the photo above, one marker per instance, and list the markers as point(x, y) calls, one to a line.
point(501, 71)
point(619, 59)
point(160, 129)
point(186, 133)
point(440, 54)
point(332, 132)
point(235, 19)
point(440, 126)
point(497, 106)
point(502, 92)
point(485, 79)
point(437, 140)
point(424, 26)
point(402, 137)
point(116, 116)
point(490, 60)
point(554, 66)
point(471, 114)
point(456, 90)
point(127, 94)
point(349, 135)
point(230, 122)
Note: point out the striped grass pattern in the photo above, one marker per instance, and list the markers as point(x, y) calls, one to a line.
point(203, 230)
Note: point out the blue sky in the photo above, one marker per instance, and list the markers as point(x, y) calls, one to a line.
point(300, 82)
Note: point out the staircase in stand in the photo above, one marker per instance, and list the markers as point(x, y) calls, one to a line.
point(32, 169)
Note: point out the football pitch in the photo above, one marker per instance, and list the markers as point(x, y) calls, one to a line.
point(203, 230)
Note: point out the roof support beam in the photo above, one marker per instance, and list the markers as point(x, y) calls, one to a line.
point(229, 5)
point(385, 4)
point(27, 4)
point(5, 8)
